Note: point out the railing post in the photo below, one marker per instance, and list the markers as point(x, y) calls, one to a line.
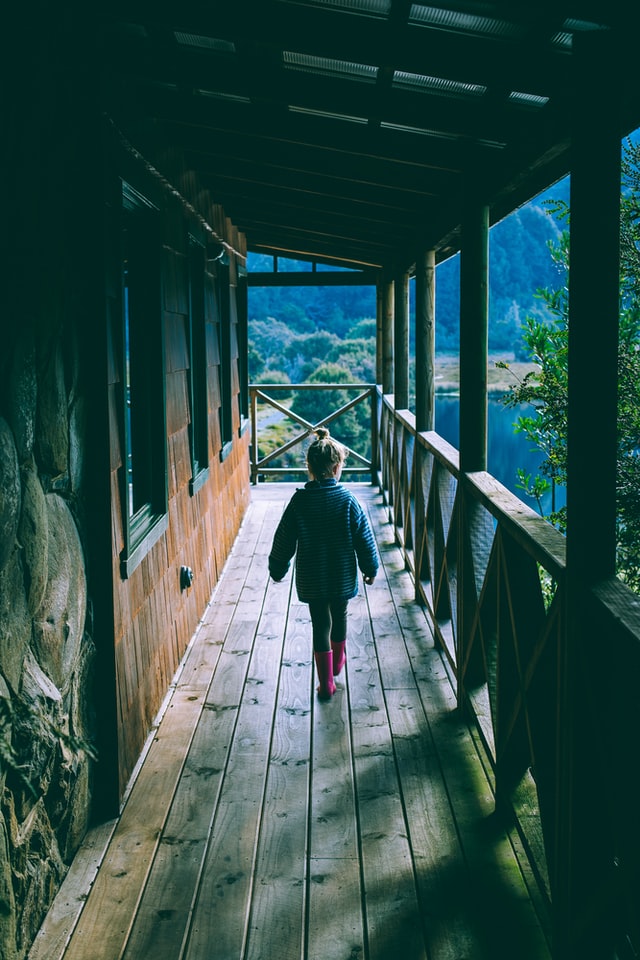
point(401, 342)
point(254, 436)
point(425, 391)
point(474, 290)
point(375, 440)
point(261, 466)
point(387, 335)
point(380, 307)
point(472, 530)
point(425, 339)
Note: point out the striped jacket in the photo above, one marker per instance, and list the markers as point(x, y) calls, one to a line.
point(327, 529)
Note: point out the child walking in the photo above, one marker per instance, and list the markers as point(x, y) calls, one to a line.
point(327, 529)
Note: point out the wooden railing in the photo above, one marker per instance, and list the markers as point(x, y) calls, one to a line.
point(493, 576)
point(262, 466)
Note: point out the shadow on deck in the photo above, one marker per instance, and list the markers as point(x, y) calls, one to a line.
point(261, 823)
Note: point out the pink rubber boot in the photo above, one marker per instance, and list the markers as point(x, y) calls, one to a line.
point(324, 666)
point(339, 656)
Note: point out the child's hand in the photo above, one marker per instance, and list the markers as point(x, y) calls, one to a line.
point(368, 580)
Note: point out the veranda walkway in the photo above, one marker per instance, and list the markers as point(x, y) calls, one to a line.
point(264, 825)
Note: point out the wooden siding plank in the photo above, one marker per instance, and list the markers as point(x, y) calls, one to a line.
point(178, 404)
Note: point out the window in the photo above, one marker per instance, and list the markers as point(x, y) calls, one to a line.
point(243, 347)
point(199, 425)
point(224, 342)
point(144, 427)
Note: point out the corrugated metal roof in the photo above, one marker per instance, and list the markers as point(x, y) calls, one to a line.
point(205, 43)
point(438, 85)
point(464, 22)
point(376, 8)
point(323, 66)
point(346, 130)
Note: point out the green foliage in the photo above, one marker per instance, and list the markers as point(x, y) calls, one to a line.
point(519, 261)
point(297, 351)
point(628, 478)
point(315, 405)
point(519, 252)
point(536, 487)
point(353, 428)
point(255, 360)
point(306, 309)
point(302, 356)
point(275, 376)
point(267, 339)
point(275, 435)
point(327, 345)
point(545, 390)
point(356, 355)
point(363, 329)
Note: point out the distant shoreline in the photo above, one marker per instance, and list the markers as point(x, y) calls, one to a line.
point(499, 380)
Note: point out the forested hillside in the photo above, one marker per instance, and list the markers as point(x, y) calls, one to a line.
point(295, 330)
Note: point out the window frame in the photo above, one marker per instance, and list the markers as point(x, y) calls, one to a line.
point(144, 421)
point(198, 364)
point(242, 303)
point(223, 297)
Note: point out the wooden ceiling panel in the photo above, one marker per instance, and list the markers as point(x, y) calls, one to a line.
point(331, 133)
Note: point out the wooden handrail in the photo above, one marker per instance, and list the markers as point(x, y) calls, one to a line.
point(260, 465)
point(492, 574)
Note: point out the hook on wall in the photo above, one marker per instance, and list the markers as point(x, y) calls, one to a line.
point(186, 577)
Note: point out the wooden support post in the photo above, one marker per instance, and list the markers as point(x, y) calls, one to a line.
point(401, 342)
point(425, 392)
point(387, 335)
point(594, 294)
point(474, 299)
point(425, 339)
point(379, 327)
point(376, 472)
point(374, 418)
point(254, 437)
point(583, 871)
point(472, 520)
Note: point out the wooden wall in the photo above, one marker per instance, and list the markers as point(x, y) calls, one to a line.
point(154, 618)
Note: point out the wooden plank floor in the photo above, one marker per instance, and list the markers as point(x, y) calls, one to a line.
point(263, 824)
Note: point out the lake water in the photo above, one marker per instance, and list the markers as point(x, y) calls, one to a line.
point(506, 450)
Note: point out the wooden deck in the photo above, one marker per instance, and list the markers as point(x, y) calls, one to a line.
point(262, 824)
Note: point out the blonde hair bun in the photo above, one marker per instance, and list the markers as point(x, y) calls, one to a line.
point(324, 454)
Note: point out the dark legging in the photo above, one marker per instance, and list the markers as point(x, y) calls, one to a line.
point(329, 622)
